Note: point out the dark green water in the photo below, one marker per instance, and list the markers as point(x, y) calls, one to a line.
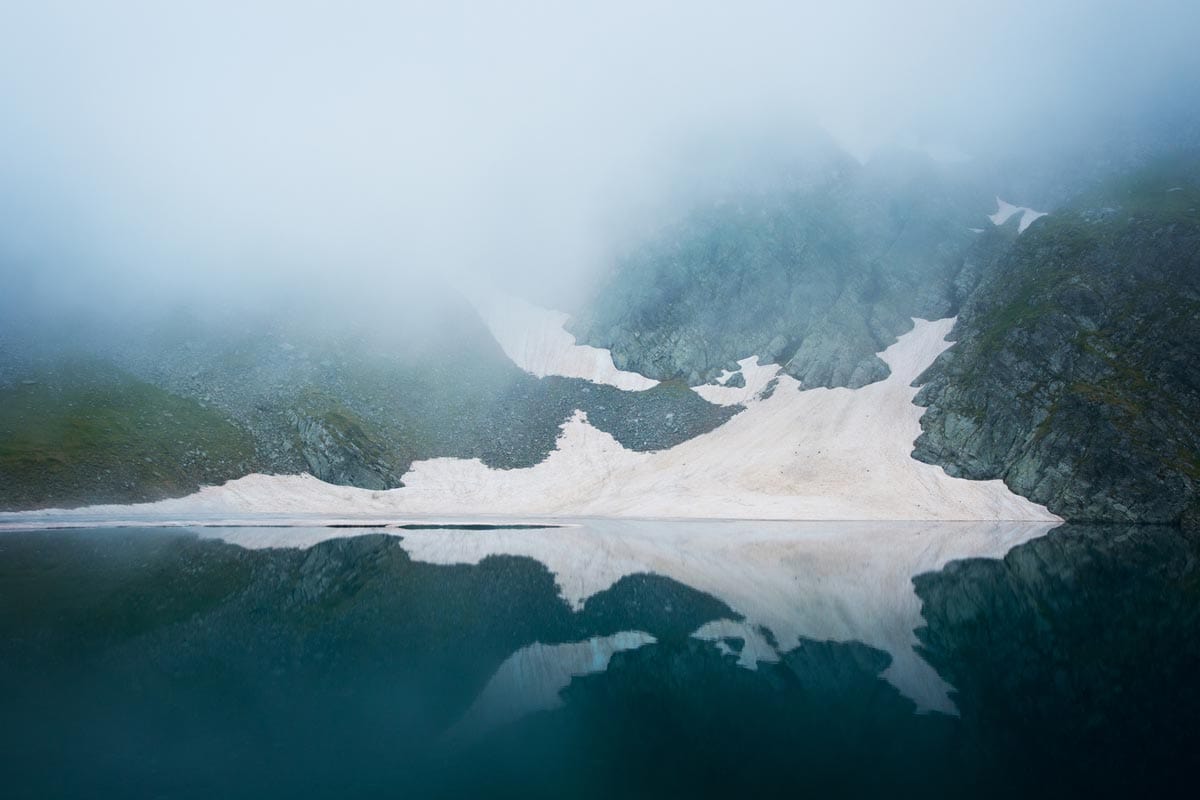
point(154, 663)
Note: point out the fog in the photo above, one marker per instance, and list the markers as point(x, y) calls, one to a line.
point(154, 152)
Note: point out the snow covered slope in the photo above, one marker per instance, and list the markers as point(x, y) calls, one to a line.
point(1004, 211)
point(755, 376)
point(535, 339)
point(813, 454)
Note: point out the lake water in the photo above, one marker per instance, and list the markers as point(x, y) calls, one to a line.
point(599, 659)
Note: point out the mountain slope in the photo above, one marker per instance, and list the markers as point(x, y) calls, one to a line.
point(85, 433)
point(817, 277)
point(353, 402)
point(832, 454)
point(1074, 375)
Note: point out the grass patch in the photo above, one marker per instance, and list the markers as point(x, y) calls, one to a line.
point(84, 433)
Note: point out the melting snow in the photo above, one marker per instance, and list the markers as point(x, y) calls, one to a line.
point(536, 341)
point(815, 454)
point(1005, 210)
point(757, 377)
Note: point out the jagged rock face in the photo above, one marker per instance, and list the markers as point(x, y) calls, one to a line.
point(337, 450)
point(817, 278)
point(1074, 376)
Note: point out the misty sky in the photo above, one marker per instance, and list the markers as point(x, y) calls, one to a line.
point(149, 147)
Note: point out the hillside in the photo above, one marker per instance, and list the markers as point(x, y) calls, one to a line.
point(1073, 378)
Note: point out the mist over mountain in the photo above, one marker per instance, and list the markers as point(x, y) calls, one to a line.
point(208, 150)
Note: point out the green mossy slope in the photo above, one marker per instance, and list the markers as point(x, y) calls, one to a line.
point(85, 433)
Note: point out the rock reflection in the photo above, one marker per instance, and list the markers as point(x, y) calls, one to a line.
point(786, 581)
point(530, 680)
point(609, 659)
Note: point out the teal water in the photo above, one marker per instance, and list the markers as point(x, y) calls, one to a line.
point(163, 663)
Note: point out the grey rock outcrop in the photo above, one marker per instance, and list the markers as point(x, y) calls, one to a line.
point(337, 450)
point(817, 277)
point(1074, 377)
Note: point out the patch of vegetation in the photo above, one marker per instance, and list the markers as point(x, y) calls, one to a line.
point(84, 432)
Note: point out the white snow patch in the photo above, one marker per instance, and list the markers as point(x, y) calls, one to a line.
point(757, 377)
point(815, 454)
point(530, 680)
point(536, 341)
point(831, 454)
point(1005, 210)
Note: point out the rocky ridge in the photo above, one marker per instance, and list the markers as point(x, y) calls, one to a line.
point(1073, 377)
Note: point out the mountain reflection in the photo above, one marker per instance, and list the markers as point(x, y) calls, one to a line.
point(641, 658)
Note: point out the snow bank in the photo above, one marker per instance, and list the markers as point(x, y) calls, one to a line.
point(1005, 210)
point(536, 341)
point(816, 454)
point(757, 377)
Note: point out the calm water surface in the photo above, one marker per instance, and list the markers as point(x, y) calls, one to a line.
point(603, 659)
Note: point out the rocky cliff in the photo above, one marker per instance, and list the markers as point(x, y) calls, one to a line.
point(1074, 377)
point(818, 276)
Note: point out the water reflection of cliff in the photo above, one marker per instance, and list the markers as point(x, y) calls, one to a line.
point(637, 659)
